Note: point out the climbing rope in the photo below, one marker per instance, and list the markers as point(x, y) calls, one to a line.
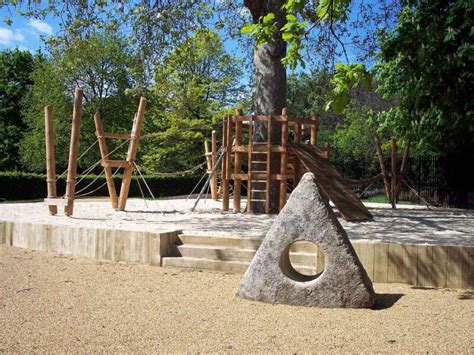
point(148, 187)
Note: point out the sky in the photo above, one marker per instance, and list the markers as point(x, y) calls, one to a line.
point(23, 33)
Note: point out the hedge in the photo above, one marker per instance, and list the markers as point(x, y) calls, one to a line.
point(29, 186)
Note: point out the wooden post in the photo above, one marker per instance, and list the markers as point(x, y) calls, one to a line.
point(73, 151)
point(50, 157)
point(225, 171)
point(314, 130)
point(269, 159)
point(297, 164)
point(402, 171)
point(132, 153)
point(214, 192)
point(394, 173)
point(249, 166)
point(237, 163)
point(328, 150)
point(104, 152)
point(386, 181)
point(284, 157)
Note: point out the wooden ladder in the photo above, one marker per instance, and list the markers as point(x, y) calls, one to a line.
point(128, 164)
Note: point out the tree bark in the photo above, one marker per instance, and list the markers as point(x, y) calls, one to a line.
point(270, 95)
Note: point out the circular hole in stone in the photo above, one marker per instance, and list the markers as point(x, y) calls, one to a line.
point(302, 261)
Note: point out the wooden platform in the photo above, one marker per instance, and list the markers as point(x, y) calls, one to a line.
point(331, 183)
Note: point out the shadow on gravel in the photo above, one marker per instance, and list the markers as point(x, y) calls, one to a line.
point(386, 300)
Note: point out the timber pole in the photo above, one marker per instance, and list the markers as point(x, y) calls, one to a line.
point(132, 153)
point(386, 180)
point(73, 152)
point(314, 130)
point(50, 157)
point(402, 170)
point(214, 192)
point(237, 163)
point(99, 132)
point(394, 173)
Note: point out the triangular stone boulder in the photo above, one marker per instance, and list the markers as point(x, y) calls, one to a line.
point(271, 278)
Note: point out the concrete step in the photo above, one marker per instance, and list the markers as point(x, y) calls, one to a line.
point(212, 252)
point(206, 264)
point(220, 265)
point(221, 241)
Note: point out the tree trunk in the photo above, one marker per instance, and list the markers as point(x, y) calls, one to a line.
point(270, 96)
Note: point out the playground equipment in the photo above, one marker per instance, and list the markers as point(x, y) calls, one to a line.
point(53, 201)
point(260, 172)
point(128, 164)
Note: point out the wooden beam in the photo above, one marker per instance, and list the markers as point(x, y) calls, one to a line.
point(237, 164)
point(132, 153)
point(269, 159)
point(283, 158)
point(50, 157)
point(314, 130)
point(104, 152)
point(249, 166)
point(73, 151)
point(225, 171)
point(402, 171)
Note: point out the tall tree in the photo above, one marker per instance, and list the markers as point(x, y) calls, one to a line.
point(15, 71)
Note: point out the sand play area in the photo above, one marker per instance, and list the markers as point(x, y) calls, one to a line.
point(51, 303)
point(406, 224)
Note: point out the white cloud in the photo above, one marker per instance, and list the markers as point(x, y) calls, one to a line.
point(7, 36)
point(41, 26)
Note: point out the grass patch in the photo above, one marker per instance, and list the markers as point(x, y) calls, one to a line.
point(384, 199)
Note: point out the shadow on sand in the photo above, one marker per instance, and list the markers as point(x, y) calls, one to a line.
point(386, 300)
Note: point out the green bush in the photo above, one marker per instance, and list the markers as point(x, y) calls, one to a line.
point(30, 186)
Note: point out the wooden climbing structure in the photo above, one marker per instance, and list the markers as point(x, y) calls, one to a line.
point(128, 164)
point(260, 165)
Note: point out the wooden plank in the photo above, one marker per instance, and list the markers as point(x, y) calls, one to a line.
point(366, 257)
point(410, 258)
point(73, 151)
point(395, 263)
point(424, 265)
point(104, 152)
point(132, 153)
point(380, 262)
point(50, 157)
point(439, 265)
point(331, 183)
point(468, 272)
point(454, 267)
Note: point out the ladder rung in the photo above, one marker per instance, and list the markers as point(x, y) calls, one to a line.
point(116, 163)
point(259, 190)
point(116, 135)
point(258, 161)
point(258, 200)
point(258, 180)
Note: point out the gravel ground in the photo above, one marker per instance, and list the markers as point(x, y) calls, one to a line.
point(51, 303)
point(406, 224)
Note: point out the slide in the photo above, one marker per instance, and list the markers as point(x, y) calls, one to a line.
point(331, 183)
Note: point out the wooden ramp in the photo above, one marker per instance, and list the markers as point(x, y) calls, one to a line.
point(331, 183)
